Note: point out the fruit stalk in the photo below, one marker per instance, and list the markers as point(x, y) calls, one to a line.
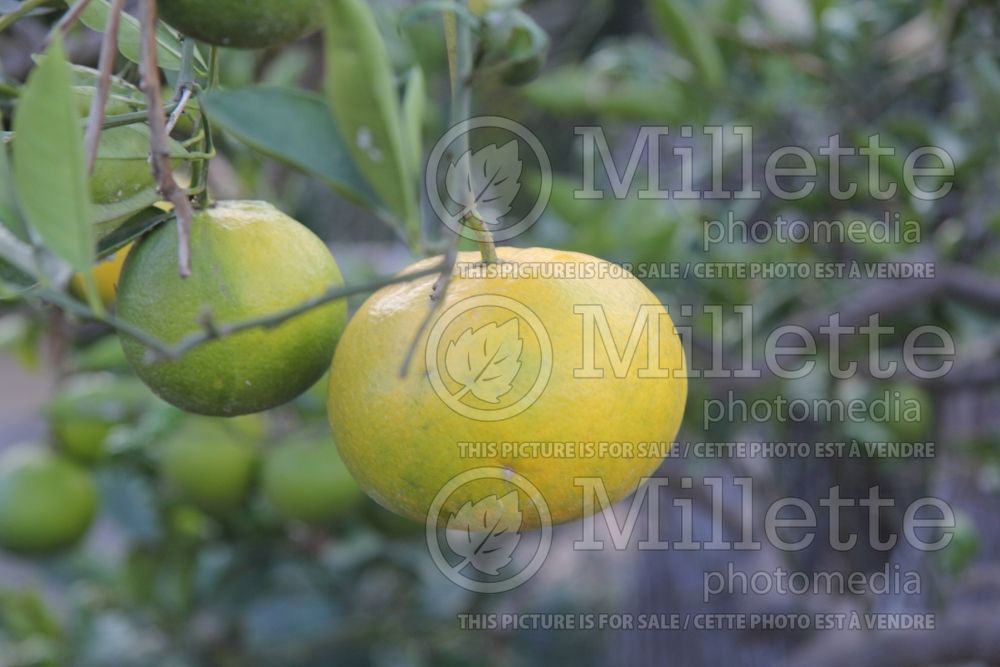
point(484, 238)
point(68, 19)
point(461, 67)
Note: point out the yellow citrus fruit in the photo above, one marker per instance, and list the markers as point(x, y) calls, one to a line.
point(106, 273)
point(513, 355)
point(248, 24)
point(210, 463)
point(248, 260)
point(306, 481)
point(46, 503)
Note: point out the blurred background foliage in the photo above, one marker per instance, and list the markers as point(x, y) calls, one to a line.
point(166, 578)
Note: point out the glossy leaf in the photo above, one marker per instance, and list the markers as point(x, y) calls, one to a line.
point(293, 127)
point(360, 86)
point(134, 227)
point(49, 170)
point(10, 216)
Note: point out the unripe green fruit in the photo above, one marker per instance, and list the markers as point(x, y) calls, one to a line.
point(210, 463)
point(306, 481)
point(248, 260)
point(47, 503)
point(245, 24)
point(88, 407)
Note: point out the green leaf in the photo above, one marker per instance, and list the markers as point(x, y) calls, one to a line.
point(168, 50)
point(360, 86)
point(293, 127)
point(16, 266)
point(131, 229)
point(24, 615)
point(86, 78)
point(49, 170)
point(10, 215)
point(690, 33)
point(414, 107)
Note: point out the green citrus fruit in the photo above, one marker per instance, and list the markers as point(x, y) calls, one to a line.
point(86, 409)
point(122, 168)
point(306, 481)
point(248, 260)
point(210, 463)
point(46, 503)
point(505, 360)
point(122, 183)
point(246, 24)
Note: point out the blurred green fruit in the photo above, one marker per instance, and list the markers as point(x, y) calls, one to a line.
point(47, 503)
point(306, 481)
point(210, 463)
point(87, 407)
point(247, 24)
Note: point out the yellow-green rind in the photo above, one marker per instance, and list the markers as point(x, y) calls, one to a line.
point(248, 260)
point(403, 443)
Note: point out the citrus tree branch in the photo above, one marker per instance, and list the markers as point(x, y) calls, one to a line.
point(160, 142)
point(69, 19)
point(109, 50)
point(458, 38)
point(71, 305)
point(459, 35)
point(437, 295)
point(211, 330)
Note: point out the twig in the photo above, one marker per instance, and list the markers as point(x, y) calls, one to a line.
point(79, 309)
point(438, 293)
point(185, 83)
point(109, 50)
point(132, 117)
point(213, 330)
point(160, 142)
point(68, 19)
point(178, 111)
point(462, 70)
point(458, 40)
point(23, 10)
point(163, 351)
